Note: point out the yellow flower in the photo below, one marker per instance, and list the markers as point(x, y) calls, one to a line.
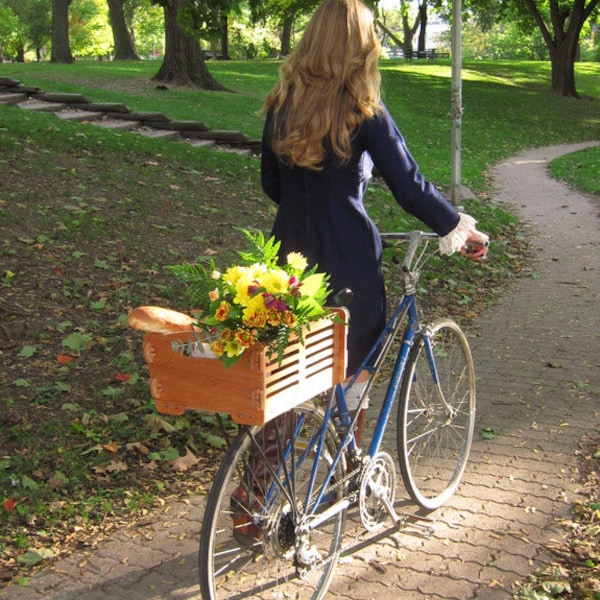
point(297, 261)
point(255, 314)
point(274, 318)
point(233, 274)
point(244, 338)
point(222, 313)
point(233, 348)
point(276, 282)
point(289, 318)
point(217, 347)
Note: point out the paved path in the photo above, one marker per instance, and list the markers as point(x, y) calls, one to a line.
point(538, 359)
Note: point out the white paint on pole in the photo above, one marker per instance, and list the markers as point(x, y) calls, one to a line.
point(457, 108)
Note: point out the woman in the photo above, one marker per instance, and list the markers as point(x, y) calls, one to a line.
point(326, 129)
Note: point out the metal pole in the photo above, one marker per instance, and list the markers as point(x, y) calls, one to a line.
point(457, 109)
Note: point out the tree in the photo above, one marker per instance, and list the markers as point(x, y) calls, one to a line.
point(61, 48)
point(561, 33)
point(284, 13)
point(31, 28)
point(9, 38)
point(183, 63)
point(124, 45)
point(38, 21)
point(560, 23)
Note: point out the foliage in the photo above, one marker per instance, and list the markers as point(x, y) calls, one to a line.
point(259, 300)
point(10, 39)
point(89, 32)
point(504, 40)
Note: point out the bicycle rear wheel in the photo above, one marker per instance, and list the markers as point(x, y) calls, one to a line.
point(436, 420)
point(255, 540)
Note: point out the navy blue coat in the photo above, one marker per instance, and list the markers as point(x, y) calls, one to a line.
point(321, 214)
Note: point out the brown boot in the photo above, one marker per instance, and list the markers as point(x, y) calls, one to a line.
point(360, 426)
point(246, 529)
point(248, 499)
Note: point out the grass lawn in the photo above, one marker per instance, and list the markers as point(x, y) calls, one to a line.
point(90, 218)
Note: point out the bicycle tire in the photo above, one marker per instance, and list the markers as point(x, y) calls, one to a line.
point(434, 444)
point(272, 567)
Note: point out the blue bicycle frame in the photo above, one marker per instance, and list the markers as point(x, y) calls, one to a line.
point(337, 407)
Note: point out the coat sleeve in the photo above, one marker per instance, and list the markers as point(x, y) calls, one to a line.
point(412, 191)
point(270, 176)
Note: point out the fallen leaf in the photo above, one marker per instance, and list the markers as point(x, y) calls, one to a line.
point(9, 504)
point(112, 467)
point(183, 463)
point(111, 447)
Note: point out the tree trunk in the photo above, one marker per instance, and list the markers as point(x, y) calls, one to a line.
point(225, 38)
point(61, 47)
point(124, 46)
point(563, 67)
point(183, 63)
point(423, 29)
point(407, 30)
point(286, 32)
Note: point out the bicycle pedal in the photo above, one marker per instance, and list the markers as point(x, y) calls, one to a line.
point(415, 520)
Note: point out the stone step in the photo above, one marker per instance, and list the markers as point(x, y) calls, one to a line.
point(62, 97)
point(40, 106)
point(239, 151)
point(162, 134)
point(12, 98)
point(200, 143)
point(79, 115)
point(118, 124)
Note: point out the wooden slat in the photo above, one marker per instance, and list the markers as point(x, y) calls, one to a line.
point(253, 390)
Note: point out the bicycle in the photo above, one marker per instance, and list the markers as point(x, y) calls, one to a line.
point(274, 518)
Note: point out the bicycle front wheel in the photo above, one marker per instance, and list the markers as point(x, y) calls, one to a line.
point(436, 414)
point(257, 540)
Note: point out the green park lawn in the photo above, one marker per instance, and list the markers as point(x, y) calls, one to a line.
point(90, 218)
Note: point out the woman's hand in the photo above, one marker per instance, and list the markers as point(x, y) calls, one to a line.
point(477, 245)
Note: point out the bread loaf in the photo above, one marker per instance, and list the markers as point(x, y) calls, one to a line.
point(156, 319)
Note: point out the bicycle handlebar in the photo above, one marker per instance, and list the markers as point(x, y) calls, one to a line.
point(405, 235)
point(414, 238)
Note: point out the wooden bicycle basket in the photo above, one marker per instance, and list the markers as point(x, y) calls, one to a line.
point(255, 389)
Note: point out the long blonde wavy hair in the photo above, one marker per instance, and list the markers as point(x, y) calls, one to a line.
point(327, 87)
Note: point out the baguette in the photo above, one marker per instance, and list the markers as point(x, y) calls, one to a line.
point(155, 319)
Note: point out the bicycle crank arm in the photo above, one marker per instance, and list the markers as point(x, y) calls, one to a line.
point(401, 521)
point(321, 518)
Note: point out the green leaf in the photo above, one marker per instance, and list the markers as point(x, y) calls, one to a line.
point(30, 558)
point(101, 264)
point(78, 341)
point(216, 441)
point(489, 433)
point(111, 391)
point(28, 483)
point(27, 351)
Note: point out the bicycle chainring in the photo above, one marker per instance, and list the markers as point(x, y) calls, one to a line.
point(378, 481)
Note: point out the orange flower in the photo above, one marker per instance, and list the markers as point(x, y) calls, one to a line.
point(222, 313)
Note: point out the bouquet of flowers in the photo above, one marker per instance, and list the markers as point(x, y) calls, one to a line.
point(259, 300)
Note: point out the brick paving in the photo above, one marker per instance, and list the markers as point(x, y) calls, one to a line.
point(537, 354)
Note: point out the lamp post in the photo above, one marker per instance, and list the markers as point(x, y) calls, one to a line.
point(457, 109)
